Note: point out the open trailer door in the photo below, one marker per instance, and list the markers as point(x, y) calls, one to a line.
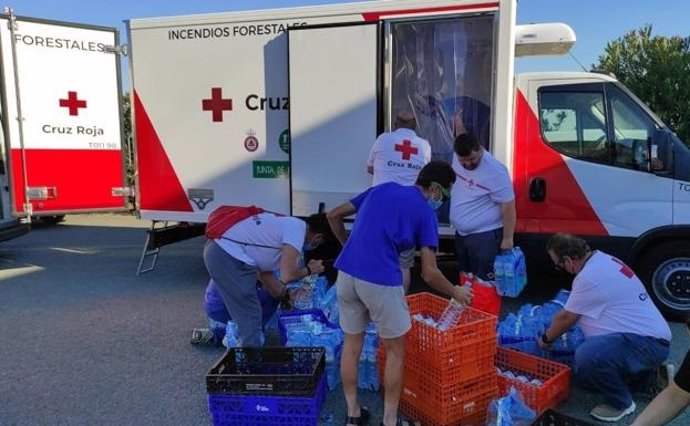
point(334, 112)
point(62, 116)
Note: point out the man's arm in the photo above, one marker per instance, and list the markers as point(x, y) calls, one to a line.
point(289, 259)
point(435, 278)
point(509, 219)
point(336, 219)
point(272, 284)
point(665, 407)
point(562, 322)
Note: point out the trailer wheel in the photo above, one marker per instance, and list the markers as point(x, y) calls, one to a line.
point(52, 220)
point(665, 271)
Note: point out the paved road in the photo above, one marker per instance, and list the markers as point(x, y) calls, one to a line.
point(85, 341)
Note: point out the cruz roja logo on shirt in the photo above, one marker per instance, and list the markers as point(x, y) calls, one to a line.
point(392, 163)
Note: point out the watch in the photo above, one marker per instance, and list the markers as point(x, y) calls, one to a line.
point(546, 339)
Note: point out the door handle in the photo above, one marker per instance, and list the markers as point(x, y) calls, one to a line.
point(537, 189)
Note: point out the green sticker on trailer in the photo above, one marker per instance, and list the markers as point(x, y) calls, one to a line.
point(271, 169)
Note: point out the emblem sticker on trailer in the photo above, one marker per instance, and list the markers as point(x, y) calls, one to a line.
point(271, 169)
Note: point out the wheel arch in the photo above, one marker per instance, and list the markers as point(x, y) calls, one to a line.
point(654, 237)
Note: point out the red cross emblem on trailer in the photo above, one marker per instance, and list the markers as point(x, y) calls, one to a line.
point(407, 149)
point(216, 104)
point(73, 103)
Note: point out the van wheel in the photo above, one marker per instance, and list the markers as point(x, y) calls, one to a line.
point(665, 271)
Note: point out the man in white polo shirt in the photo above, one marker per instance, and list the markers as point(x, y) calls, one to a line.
point(482, 208)
point(398, 156)
point(626, 338)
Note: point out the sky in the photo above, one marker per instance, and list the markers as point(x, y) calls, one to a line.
point(596, 22)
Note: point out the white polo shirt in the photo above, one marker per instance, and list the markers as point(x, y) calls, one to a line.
point(610, 298)
point(267, 230)
point(477, 195)
point(398, 157)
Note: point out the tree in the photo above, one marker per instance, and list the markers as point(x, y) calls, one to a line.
point(128, 147)
point(657, 70)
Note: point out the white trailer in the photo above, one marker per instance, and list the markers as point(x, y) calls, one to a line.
point(280, 107)
point(61, 119)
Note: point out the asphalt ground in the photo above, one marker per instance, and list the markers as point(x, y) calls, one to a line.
point(84, 341)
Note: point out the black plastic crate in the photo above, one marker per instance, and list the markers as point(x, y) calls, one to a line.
point(554, 418)
point(267, 371)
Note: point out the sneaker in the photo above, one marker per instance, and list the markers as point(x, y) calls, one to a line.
point(663, 376)
point(606, 413)
point(202, 336)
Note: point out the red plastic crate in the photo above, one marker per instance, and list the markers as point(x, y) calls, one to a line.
point(448, 403)
point(472, 413)
point(555, 377)
point(452, 373)
point(460, 342)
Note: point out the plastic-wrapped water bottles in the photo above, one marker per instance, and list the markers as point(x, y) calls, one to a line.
point(230, 339)
point(450, 316)
point(510, 272)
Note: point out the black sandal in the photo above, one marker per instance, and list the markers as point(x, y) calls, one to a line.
point(402, 422)
point(363, 418)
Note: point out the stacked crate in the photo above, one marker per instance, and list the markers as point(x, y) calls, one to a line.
point(449, 377)
point(554, 378)
point(267, 386)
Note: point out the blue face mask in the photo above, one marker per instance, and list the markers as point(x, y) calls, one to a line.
point(434, 204)
point(314, 243)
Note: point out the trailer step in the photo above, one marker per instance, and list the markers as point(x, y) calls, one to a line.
point(159, 236)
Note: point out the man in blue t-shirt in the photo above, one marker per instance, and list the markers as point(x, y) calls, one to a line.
point(391, 219)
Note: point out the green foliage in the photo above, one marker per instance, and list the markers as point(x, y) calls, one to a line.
point(128, 141)
point(657, 70)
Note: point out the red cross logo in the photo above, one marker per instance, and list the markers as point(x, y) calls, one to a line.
point(216, 104)
point(407, 149)
point(73, 103)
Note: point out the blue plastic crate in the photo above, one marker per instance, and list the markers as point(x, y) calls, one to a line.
point(260, 410)
point(290, 320)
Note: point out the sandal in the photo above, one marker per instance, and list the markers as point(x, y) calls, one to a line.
point(363, 418)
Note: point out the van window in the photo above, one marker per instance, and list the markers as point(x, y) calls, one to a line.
point(631, 129)
point(603, 125)
point(574, 123)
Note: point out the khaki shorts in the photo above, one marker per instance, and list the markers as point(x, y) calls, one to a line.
point(361, 301)
point(406, 259)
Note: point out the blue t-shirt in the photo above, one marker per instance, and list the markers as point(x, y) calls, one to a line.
point(391, 219)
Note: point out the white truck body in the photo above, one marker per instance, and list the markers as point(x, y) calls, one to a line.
point(279, 108)
point(61, 119)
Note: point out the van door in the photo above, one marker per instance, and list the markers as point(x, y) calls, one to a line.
point(581, 165)
point(334, 112)
point(63, 117)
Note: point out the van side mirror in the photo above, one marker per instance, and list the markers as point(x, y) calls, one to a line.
point(660, 145)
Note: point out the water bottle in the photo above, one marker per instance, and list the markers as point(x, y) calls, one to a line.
point(499, 274)
point(450, 316)
point(230, 339)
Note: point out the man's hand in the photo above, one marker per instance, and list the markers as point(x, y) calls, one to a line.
point(543, 345)
point(506, 244)
point(463, 295)
point(315, 267)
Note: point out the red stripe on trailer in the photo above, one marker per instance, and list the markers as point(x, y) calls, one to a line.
point(375, 16)
point(569, 210)
point(159, 186)
point(82, 178)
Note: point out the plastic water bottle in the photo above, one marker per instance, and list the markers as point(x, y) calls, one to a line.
point(230, 339)
point(450, 316)
point(499, 274)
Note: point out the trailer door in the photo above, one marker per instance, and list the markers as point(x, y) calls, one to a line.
point(62, 116)
point(334, 110)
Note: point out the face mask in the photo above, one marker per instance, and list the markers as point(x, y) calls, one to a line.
point(312, 244)
point(434, 204)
